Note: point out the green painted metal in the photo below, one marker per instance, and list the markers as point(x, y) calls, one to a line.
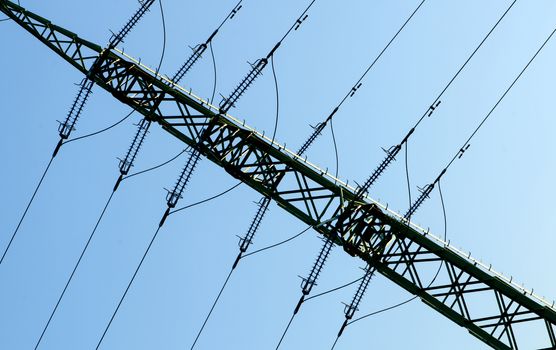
point(398, 250)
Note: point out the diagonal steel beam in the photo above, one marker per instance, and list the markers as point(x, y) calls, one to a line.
point(334, 209)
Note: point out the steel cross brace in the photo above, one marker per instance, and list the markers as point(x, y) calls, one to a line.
point(404, 255)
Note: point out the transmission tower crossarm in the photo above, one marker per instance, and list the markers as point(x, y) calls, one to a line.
point(78, 52)
point(399, 251)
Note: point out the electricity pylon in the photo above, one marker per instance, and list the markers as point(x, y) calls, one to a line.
point(397, 249)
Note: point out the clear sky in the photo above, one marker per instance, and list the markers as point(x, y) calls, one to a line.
point(499, 196)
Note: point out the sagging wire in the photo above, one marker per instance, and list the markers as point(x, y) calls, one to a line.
point(65, 128)
point(407, 180)
point(277, 99)
point(256, 70)
point(196, 55)
point(258, 67)
point(127, 28)
point(263, 204)
point(349, 322)
point(336, 155)
point(101, 130)
point(317, 130)
point(393, 151)
point(157, 166)
point(182, 182)
point(163, 21)
point(241, 256)
point(171, 200)
point(207, 199)
point(279, 243)
point(428, 189)
point(353, 307)
point(310, 281)
point(195, 156)
point(144, 124)
point(334, 289)
point(214, 73)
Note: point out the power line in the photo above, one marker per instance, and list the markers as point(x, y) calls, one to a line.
point(353, 307)
point(128, 287)
point(76, 109)
point(277, 99)
point(258, 67)
point(207, 199)
point(310, 281)
point(357, 84)
point(76, 266)
point(279, 243)
point(459, 155)
point(352, 310)
point(461, 151)
point(264, 203)
point(355, 87)
point(143, 126)
point(201, 48)
point(101, 130)
point(157, 166)
point(25, 211)
point(428, 189)
point(393, 151)
point(92, 234)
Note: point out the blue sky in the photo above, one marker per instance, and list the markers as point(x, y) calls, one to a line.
point(499, 196)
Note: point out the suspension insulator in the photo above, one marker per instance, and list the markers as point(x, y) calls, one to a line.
point(174, 196)
point(256, 71)
point(78, 104)
point(127, 162)
point(188, 64)
point(116, 39)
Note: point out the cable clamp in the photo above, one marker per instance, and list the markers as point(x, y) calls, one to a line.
point(300, 21)
point(433, 107)
point(235, 11)
point(463, 150)
point(354, 89)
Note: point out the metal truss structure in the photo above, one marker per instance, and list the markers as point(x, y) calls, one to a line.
point(399, 250)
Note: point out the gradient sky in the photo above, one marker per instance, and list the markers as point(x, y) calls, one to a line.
point(499, 197)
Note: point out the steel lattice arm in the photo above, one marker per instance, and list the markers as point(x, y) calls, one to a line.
point(397, 250)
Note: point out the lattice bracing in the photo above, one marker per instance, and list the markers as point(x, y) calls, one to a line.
point(390, 244)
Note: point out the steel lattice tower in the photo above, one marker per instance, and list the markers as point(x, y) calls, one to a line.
point(400, 251)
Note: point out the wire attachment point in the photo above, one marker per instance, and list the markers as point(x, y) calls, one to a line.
point(300, 21)
point(433, 107)
point(235, 11)
point(463, 150)
point(256, 71)
point(354, 89)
